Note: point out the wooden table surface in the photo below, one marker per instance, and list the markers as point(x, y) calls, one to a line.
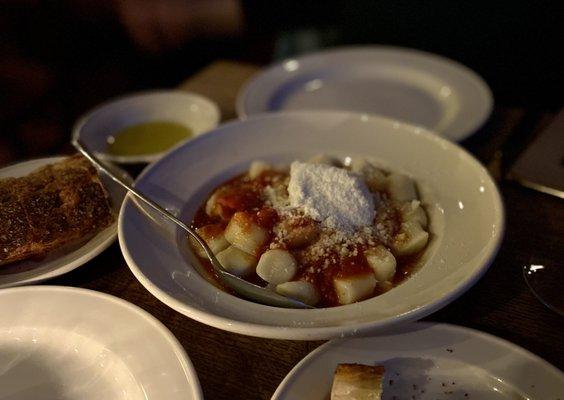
point(232, 366)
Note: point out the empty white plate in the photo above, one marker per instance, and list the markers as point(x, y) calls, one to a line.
point(409, 85)
point(430, 361)
point(64, 260)
point(67, 343)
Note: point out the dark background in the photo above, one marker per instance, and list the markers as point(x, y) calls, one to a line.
point(59, 58)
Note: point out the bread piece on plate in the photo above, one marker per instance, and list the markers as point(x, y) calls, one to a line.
point(357, 382)
point(54, 206)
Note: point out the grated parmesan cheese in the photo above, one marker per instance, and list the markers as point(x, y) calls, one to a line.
point(345, 213)
point(333, 196)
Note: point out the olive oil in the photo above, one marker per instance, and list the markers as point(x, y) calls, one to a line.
point(147, 138)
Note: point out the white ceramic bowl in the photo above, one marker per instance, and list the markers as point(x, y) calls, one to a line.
point(188, 109)
point(464, 204)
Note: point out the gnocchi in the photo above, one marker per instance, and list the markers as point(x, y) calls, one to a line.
point(257, 168)
point(298, 235)
point(374, 177)
point(214, 238)
point(354, 288)
point(412, 211)
point(243, 233)
point(401, 187)
point(257, 232)
point(300, 290)
point(236, 261)
point(411, 239)
point(212, 208)
point(277, 266)
point(382, 262)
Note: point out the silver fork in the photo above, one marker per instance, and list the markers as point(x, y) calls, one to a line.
point(246, 289)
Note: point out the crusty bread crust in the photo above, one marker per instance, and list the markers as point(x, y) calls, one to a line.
point(359, 371)
point(357, 381)
point(53, 206)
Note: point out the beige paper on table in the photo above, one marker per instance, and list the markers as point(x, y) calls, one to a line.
point(541, 166)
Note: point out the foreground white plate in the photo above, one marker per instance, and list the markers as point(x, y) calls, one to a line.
point(65, 260)
point(465, 211)
point(67, 343)
point(430, 361)
point(413, 86)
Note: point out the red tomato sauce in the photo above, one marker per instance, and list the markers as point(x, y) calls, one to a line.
point(242, 194)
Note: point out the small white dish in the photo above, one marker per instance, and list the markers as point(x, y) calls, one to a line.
point(457, 190)
point(430, 361)
point(68, 343)
point(60, 261)
point(409, 85)
point(189, 109)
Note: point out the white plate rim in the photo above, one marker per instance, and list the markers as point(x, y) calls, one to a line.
point(179, 350)
point(146, 158)
point(417, 325)
point(81, 259)
point(470, 75)
point(321, 333)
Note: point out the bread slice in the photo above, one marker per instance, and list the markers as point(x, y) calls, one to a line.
point(357, 382)
point(56, 205)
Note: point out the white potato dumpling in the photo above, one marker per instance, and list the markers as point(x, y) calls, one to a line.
point(411, 239)
point(258, 167)
point(277, 266)
point(237, 261)
point(243, 233)
point(374, 177)
point(412, 211)
point(301, 236)
point(401, 187)
point(213, 208)
point(211, 205)
point(296, 236)
point(382, 261)
point(299, 290)
point(354, 288)
point(214, 238)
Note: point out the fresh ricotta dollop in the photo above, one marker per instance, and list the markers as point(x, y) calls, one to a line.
point(333, 196)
